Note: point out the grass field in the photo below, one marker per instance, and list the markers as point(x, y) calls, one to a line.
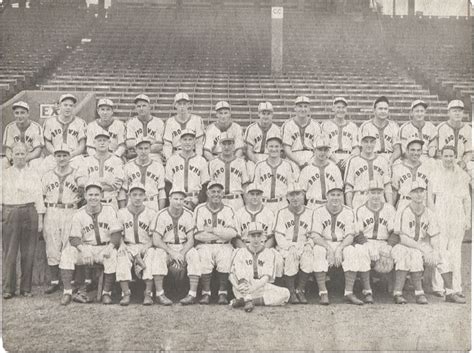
point(40, 323)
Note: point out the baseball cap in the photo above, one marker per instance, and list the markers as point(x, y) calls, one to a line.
point(93, 183)
point(214, 183)
point(62, 147)
point(21, 104)
point(265, 106)
point(181, 97)
point(105, 101)
point(226, 136)
point(294, 187)
point(177, 189)
point(333, 187)
point(254, 187)
point(302, 99)
point(375, 185)
point(188, 132)
point(418, 102)
point(222, 105)
point(368, 132)
point(321, 143)
point(415, 140)
point(141, 97)
point(67, 96)
point(381, 99)
point(340, 99)
point(136, 185)
point(418, 184)
point(276, 138)
point(101, 134)
point(255, 228)
point(456, 103)
point(142, 139)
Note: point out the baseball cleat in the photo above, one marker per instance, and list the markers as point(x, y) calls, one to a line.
point(163, 300)
point(52, 288)
point(147, 299)
point(26, 294)
point(205, 299)
point(351, 298)
point(106, 299)
point(398, 299)
point(248, 306)
point(187, 300)
point(454, 298)
point(324, 299)
point(222, 299)
point(66, 299)
point(237, 303)
point(368, 298)
point(7, 295)
point(81, 297)
point(125, 300)
point(421, 299)
point(461, 295)
point(301, 297)
point(438, 294)
point(293, 298)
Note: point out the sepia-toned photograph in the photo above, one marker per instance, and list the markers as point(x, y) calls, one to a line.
point(236, 175)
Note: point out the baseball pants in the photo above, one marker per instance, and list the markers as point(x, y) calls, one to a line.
point(19, 231)
point(375, 246)
point(272, 295)
point(50, 163)
point(302, 157)
point(217, 256)
point(355, 258)
point(276, 206)
point(56, 227)
point(153, 204)
point(411, 260)
point(250, 169)
point(234, 203)
point(359, 199)
point(296, 259)
point(71, 257)
point(314, 204)
point(163, 259)
point(125, 256)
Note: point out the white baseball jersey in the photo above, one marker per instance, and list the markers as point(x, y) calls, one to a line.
point(173, 230)
point(460, 138)
point(213, 134)
point(427, 133)
point(300, 138)
point(254, 265)
point(274, 180)
point(94, 229)
point(343, 138)
point(32, 136)
point(245, 216)
point(151, 175)
point(359, 171)
point(191, 173)
point(61, 188)
point(417, 227)
point(375, 224)
point(116, 131)
point(291, 227)
point(256, 137)
point(404, 175)
point(153, 129)
point(386, 137)
point(173, 129)
point(222, 218)
point(333, 227)
point(136, 227)
point(315, 179)
point(57, 132)
point(231, 174)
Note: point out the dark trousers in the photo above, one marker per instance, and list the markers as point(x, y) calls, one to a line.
point(20, 230)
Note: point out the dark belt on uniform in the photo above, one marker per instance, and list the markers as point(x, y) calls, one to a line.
point(342, 151)
point(405, 198)
point(153, 198)
point(231, 196)
point(61, 205)
point(276, 199)
point(173, 243)
point(319, 202)
point(192, 194)
point(211, 242)
point(361, 192)
point(24, 205)
point(106, 200)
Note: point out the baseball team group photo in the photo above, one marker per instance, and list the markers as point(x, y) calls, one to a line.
point(236, 175)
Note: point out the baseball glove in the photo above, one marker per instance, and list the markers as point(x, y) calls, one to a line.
point(177, 271)
point(384, 264)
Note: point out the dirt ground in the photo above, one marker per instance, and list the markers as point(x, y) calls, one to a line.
point(40, 323)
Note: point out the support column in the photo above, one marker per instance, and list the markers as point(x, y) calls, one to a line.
point(277, 37)
point(411, 7)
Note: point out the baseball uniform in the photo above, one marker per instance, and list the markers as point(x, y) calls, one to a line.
point(387, 137)
point(460, 138)
point(403, 176)
point(256, 138)
point(316, 179)
point(343, 138)
point(116, 131)
point(32, 136)
point(427, 133)
point(173, 129)
point(137, 228)
point(151, 175)
point(153, 129)
point(213, 134)
point(301, 139)
point(191, 173)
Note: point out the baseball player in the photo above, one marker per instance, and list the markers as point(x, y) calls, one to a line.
point(26, 131)
point(94, 238)
point(342, 134)
point(319, 174)
point(274, 174)
point(419, 246)
point(224, 123)
point(106, 123)
point(293, 238)
point(61, 196)
point(65, 128)
point(257, 133)
point(135, 249)
point(183, 120)
point(450, 197)
point(188, 169)
point(333, 235)
point(215, 227)
point(418, 128)
point(363, 168)
point(385, 130)
point(255, 211)
point(251, 271)
point(173, 240)
point(456, 133)
point(145, 125)
point(409, 171)
point(300, 133)
point(148, 172)
point(229, 171)
point(374, 220)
